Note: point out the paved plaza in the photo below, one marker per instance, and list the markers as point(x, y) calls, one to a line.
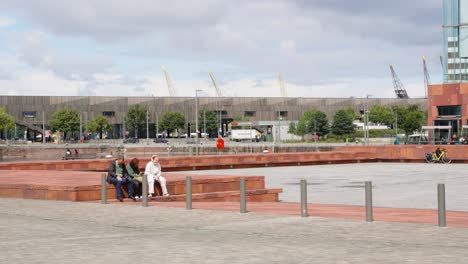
point(398, 185)
point(35, 231)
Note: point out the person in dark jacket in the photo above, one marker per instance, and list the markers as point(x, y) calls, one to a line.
point(118, 176)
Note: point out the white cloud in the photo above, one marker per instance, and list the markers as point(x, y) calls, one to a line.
point(6, 22)
point(323, 48)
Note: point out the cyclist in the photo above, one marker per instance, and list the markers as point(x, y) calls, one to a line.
point(438, 153)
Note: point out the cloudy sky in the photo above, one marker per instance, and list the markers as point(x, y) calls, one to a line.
point(322, 48)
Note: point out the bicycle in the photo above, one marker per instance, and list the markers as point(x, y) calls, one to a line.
point(432, 157)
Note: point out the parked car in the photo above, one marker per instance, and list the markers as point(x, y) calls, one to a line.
point(417, 139)
point(130, 140)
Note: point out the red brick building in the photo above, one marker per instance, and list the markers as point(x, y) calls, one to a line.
point(448, 106)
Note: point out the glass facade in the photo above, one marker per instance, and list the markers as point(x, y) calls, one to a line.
point(455, 58)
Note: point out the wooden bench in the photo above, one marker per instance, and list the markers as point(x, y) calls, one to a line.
point(79, 156)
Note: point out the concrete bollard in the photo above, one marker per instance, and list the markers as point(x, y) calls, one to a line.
point(441, 204)
point(369, 213)
point(243, 207)
point(103, 188)
point(144, 190)
point(304, 212)
point(188, 193)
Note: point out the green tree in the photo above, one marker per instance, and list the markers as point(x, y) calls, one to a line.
point(211, 119)
point(99, 124)
point(171, 121)
point(381, 115)
point(66, 121)
point(412, 120)
point(292, 128)
point(6, 121)
point(351, 113)
point(342, 123)
point(409, 118)
point(136, 118)
point(313, 121)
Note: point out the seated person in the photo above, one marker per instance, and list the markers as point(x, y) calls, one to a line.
point(136, 175)
point(153, 171)
point(118, 176)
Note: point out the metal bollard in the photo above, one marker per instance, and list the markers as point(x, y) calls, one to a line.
point(188, 193)
point(304, 212)
point(369, 213)
point(103, 188)
point(144, 191)
point(441, 204)
point(243, 208)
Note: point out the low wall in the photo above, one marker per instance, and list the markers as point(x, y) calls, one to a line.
point(457, 153)
point(203, 162)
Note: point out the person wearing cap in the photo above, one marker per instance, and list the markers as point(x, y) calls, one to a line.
point(118, 176)
point(153, 172)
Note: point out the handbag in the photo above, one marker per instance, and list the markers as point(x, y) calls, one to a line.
point(108, 179)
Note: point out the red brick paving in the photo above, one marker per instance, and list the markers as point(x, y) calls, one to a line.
point(383, 214)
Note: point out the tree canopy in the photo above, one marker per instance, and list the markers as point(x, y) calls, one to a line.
point(381, 115)
point(136, 118)
point(65, 120)
point(342, 123)
point(6, 120)
point(99, 124)
point(313, 121)
point(171, 121)
point(211, 119)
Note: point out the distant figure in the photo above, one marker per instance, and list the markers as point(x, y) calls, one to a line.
point(438, 152)
point(443, 140)
point(397, 141)
point(76, 151)
point(68, 153)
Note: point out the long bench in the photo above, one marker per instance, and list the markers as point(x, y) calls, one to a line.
point(79, 156)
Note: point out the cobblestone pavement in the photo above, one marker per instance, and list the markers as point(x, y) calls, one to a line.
point(398, 185)
point(33, 231)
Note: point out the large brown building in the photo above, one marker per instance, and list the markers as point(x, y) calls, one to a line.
point(33, 111)
point(448, 106)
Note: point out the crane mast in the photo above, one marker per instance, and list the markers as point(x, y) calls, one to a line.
point(219, 92)
point(282, 86)
point(170, 86)
point(397, 85)
point(427, 79)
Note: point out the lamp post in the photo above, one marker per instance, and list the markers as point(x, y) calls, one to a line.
point(147, 125)
point(279, 126)
point(366, 117)
point(196, 120)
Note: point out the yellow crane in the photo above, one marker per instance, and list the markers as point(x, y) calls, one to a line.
point(170, 86)
point(282, 86)
point(427, 79)
point(219, 92)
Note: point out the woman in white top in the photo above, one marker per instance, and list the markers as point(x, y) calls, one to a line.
point(153, 171)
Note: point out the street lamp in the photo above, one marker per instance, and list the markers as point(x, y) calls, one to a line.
point(366, 117)
point(280, 118)
point(196, 119)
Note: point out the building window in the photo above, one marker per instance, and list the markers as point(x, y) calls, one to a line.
point(29, 114)
point(250, 113)
point(108, 113)
point(449, 110)
point(282, 114)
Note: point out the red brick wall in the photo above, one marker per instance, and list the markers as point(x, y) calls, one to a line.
point(447, 94)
